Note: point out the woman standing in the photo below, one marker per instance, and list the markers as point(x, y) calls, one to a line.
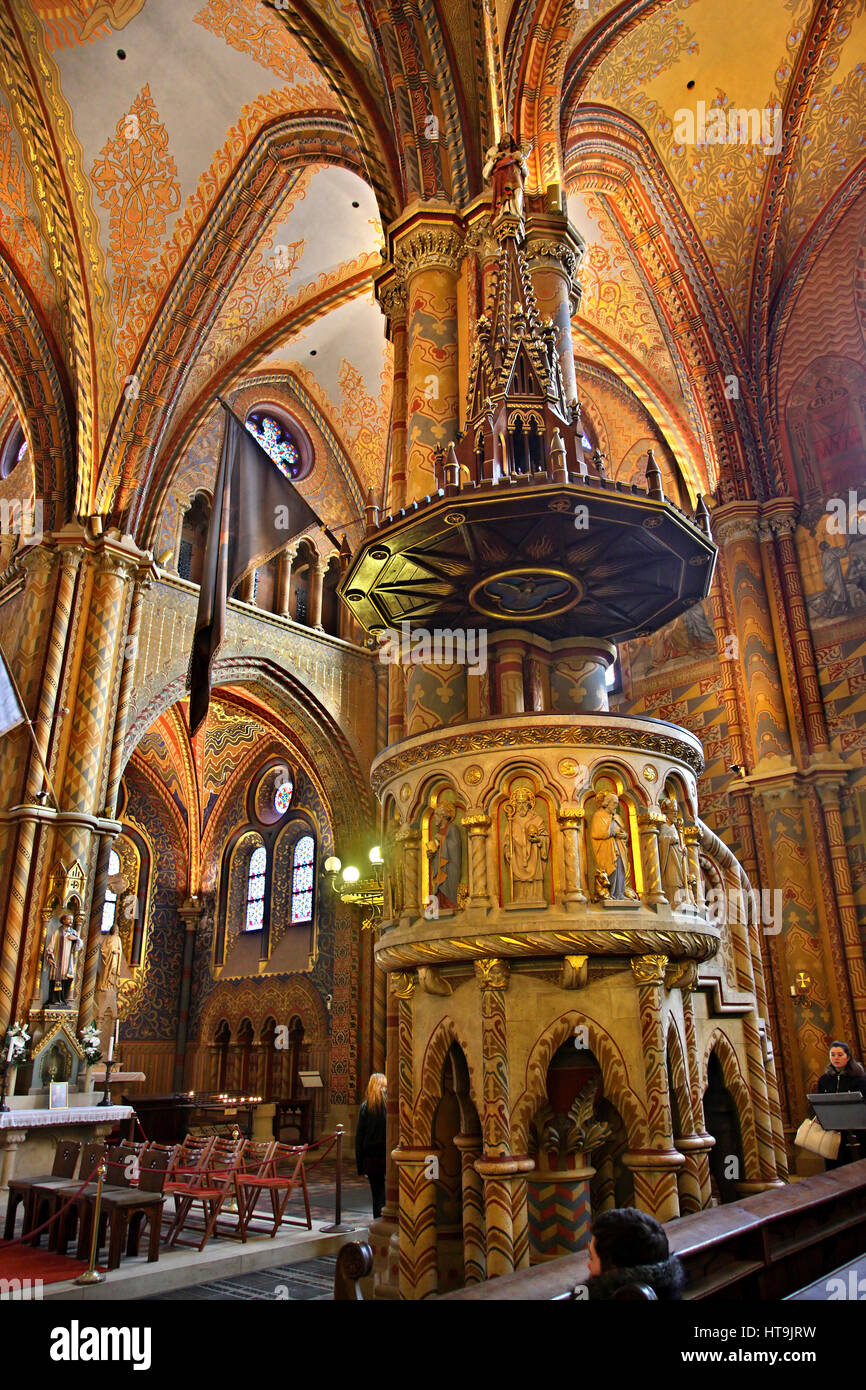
point(370, 1140)
point(844, 1074)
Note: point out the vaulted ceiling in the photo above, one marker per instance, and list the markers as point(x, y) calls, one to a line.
point(194, 191)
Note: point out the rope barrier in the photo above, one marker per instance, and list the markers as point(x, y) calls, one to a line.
point(37, 1230)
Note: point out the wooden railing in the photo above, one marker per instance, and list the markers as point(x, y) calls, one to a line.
point(761, 1248)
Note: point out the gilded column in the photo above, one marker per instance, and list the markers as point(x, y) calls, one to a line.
point(570, 819)
point(393, 300)
point(654, 1168)
point(427, 256)
point(478, 825)
point(648, 830)
point(691, 839)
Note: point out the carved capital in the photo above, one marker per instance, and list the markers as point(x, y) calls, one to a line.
point(393, 300)
point(574, 973)
point(429, 248)
point(492, 973)
point(682, 974)
point(404, 984)
point(476, 822)
point(432, 982)
point(649, 970)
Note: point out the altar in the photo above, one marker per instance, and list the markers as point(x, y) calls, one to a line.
point(29, 1132)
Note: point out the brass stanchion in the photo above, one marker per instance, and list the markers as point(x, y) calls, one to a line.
point(339, 1225)
point(91, 1275)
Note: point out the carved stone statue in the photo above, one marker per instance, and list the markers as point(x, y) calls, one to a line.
point(112, 962)
point(527, 847)
point(445, 850)
point(506, 168)
point(609, 838)
point(61, 957)
point(673, 858)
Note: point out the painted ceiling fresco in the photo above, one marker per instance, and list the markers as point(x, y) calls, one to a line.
point(128, 127)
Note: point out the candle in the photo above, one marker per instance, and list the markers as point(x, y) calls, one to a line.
point(11, 1050)
point(111, 1048)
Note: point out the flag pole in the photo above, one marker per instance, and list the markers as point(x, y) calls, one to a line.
point(25, 719)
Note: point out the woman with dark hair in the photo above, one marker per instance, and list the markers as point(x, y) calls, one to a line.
point(628, 1248)
point(370, 1140)
point(844, 1074)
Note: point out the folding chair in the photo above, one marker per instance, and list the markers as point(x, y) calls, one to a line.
point(22, 1189)
point(211, 1186)
point(279, 1184)
point(126, 1212)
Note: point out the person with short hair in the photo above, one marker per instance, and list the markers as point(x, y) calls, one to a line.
point(629, 1247)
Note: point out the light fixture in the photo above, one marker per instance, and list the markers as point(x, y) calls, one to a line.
point(356, 891)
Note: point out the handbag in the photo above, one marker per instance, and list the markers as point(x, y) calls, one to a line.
point(813, 1137)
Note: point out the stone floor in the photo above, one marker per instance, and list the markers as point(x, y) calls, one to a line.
point(310, 1280)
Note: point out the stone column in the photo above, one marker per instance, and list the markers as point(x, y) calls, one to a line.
point(393, 299)
point(781, 516)
point(317, 582)
point(284, 581)
point(419, 1277)
point(691, 839)
point(478, 825)
point(509, 674)
point(427, 252)
point(852, 945)
point(411, 842)
point(555, 250)
point(384, 1231)
point(247, 587)
point(474, 1243)
point(654, 1168)
point(570, 820)
point(190, 913)
point(648, 830)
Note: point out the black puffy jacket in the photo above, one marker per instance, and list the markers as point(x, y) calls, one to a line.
point(667, 1279)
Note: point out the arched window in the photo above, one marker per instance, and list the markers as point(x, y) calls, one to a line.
point(193, 537)
point(255, 914)
point(303, 868)
point(14, 450)
point(109, 910)
point(276, 440)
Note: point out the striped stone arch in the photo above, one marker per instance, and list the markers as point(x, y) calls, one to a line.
point(721, 1044)
point(28, 368)
point(680, 1078)
point(430, 1088)
point(613, 1070)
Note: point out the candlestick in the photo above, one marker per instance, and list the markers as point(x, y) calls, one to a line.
point(111, 1047)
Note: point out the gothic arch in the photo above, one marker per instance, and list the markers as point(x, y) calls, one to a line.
point(613, 1070)
point(679, 1076)
point(736, 1084)
point(280, 998)
point(430, 1087)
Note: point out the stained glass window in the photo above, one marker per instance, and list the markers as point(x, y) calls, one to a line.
point(283, 798)
point(276, 442)
point(256, 889)
point(109, 910)
point(302, 879)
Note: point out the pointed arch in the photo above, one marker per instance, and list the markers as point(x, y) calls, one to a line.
point(442, 1038)
point(724, 1049)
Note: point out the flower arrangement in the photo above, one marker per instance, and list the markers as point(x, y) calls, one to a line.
point(15, 1045)
point(90, 1042)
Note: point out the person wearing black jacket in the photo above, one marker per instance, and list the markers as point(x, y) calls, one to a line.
point(370, 1140)
point(844, 1074)
point(629, 1247)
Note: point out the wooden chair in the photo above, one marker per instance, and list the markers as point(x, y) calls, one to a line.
point(120, 1174)
point(49, 1197)
point(125, 1211)
point(21, 1189)
point(285, 1171)
point(211, 1186)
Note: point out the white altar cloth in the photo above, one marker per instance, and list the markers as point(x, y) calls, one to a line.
point(69, 1115)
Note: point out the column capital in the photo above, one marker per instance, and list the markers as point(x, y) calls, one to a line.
point(649, 970)
point(476, 822)
point(736, 521)
point(404, 984)
point(433, 240)
point(492, 973)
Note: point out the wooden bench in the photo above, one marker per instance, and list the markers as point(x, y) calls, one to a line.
point(761, 1248)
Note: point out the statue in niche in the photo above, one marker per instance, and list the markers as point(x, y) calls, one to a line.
point(527, 847)
point(445, 851)
point(506, 169)
point(609, 840)
point(394, 877)
point(62, 950)
point(676, 883)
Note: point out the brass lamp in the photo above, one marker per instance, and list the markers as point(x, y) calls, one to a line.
point(368, 893)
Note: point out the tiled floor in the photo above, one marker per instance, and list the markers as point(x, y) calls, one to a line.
point(314, 1279)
